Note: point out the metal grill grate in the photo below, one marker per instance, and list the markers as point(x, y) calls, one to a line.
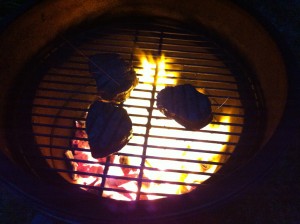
point(161, 153)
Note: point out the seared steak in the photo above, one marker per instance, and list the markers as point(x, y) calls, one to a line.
point(114, 77)
point(108, 127)
point(186, 105)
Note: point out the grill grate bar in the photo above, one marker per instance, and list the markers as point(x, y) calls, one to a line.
point(137, 115)
point(188, 68)
point(127, 105)
point(85, 110)
point(52, 146)
point(56, 90)
point(203, 48)
point(196, 55)
point(208, 88)
point(59, 90)
point(62, 70)
point(79, 63)
point(53, 136)
point(39, 115)
point(227, 114)
point(56, 73)
point(168, 42)
point(53, 126)
point(95, 188)
point(61, 107)
point(151, 39)
point(119, 190)
point(180, 79)
point(105, 174)
point(121, 178)
point(188, 139)
point(70, 83)
point(92, 83)
point(181, 160)
point(148, 125)
point(183, 149)
point(126, 166)
point(63, 99)
point(133, 144)
point(132, 97)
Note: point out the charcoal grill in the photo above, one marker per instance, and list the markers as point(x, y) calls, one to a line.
point(58, 89)
point(66, 90)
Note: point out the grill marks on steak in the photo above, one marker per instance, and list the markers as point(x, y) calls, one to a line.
point(108, 127)
point(186, 105)
point(115, 79)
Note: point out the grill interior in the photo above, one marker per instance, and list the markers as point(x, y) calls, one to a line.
point(62, 90)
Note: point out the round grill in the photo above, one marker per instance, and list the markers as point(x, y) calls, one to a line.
point(162, 158)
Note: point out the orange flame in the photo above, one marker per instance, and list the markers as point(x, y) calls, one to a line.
point(156, 71)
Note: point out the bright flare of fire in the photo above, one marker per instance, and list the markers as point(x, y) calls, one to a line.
point(154, 71)
point(179, 170)
point(190, 160)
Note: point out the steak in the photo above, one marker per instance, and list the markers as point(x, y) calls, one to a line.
point(108, 127)
point(115, 78)
point(186, 105)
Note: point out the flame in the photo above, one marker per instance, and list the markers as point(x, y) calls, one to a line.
point(188, 155)
point(165, 170)
point(156, 71)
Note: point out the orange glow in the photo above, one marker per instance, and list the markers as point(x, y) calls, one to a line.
point(165, 165)
point(154, 71)
point(172, 154)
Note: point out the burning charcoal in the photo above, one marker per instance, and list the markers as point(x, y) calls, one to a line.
point(115, 79)
point(71, 165)
point(124, 160)
point(79, 133)
point(108, 127)
point(186, 105)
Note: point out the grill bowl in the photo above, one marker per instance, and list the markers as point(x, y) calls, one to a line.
point(34, 38)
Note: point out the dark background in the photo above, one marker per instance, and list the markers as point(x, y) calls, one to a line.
point(274, 199)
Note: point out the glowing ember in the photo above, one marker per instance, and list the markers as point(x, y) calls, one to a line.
point(162, 158)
